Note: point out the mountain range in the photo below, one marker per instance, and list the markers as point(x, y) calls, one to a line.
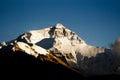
point(60, 51)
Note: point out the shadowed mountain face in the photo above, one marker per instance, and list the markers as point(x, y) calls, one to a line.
point(59, 52)
point(23, 65)
point(46, 43)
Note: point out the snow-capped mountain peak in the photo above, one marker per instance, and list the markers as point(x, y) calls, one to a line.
point(66, 45)
point(59, 26)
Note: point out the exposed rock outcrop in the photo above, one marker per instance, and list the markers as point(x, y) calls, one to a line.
point(58, 44)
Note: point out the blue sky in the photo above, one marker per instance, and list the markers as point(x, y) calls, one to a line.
point(95, 21)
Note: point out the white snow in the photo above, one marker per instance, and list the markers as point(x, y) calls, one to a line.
point(59, 26)
point(78, 54)
point(34, 50)
point(40, 50)
point(65, 40)
point(38, 35)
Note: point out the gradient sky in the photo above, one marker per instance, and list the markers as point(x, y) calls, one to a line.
point(95, 21)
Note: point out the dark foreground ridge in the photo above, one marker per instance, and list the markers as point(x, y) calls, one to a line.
point(20, 65)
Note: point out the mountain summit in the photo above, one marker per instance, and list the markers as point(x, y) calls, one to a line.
point(59, 25)
point(65, 45)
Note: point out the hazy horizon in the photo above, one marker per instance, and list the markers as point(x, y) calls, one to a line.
point(95, 21)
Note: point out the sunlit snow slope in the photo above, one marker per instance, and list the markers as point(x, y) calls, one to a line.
point(66, 45)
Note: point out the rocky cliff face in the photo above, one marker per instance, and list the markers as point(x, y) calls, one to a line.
point(66, 48)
